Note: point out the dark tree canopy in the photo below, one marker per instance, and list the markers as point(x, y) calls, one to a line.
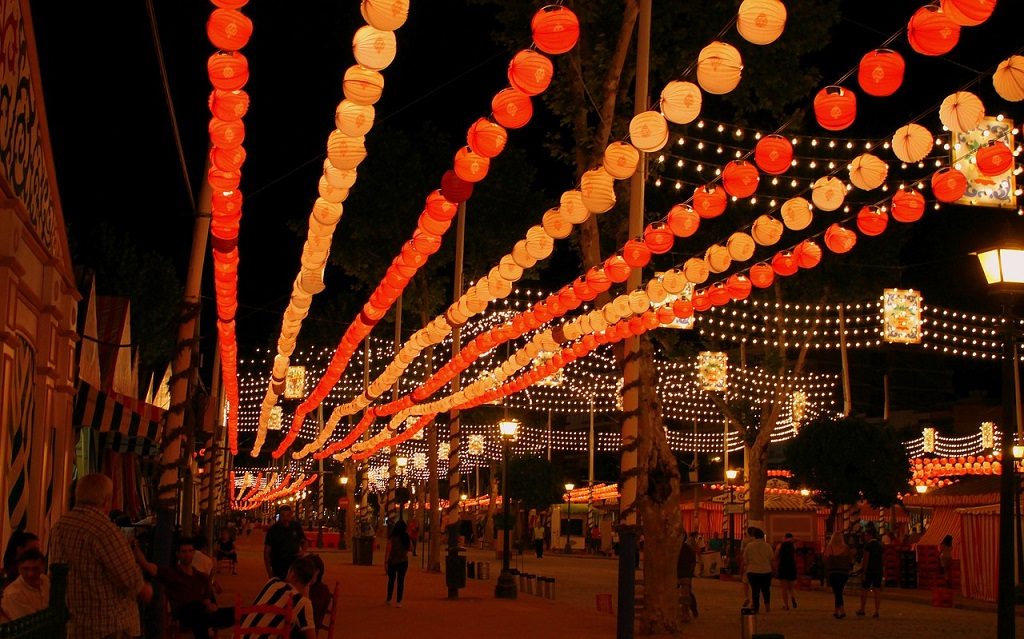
point(849, 459)
point(533, 481)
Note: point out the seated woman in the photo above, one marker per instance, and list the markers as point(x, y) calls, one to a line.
point(226, 550)
point(30, 592)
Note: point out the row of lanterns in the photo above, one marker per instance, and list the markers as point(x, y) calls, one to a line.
point(228, 29)
point(374, 47)
point(555, 30)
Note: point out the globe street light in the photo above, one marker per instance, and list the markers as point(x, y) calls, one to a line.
point(1004, 271)
point(506, 586)
point(568, 516)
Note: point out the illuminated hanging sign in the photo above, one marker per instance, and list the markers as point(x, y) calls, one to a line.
point(276, 413)
point(901, 316)
point(553, 380)
point(988, 435)
point(295, 382)
point(476, 445)
point(713, 371)
point(685, 294)
point(443, 450)
point(928, 436)
point(799, 409)
point(985, 190)
point(419, 461)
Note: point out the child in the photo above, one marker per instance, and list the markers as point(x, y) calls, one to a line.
point(226, 550)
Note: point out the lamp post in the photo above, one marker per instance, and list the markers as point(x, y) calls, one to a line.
point(401, 493)
point(1018, 454)
point(1004, 271)
point(921, 489)
point(568, 516)
point(730, 476)
point(506, 586)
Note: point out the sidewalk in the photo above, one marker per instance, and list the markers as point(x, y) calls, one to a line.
point(427, 613)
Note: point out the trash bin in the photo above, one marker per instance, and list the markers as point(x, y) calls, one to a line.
point(710, 562)
point(455, 571)
point(748, 623)
point(362, 551)
point(471, 570)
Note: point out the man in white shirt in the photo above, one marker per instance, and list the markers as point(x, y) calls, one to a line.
point(30, 592)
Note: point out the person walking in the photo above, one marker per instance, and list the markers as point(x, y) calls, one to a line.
point(838, 558)
point(538, 539)
point(283, 543)
point(757, 557)
point(104, 581)
point(946, 560)
point(685, 568)
point(785, 560)
point(396, 561)
point(414, 534)
point(873, 565)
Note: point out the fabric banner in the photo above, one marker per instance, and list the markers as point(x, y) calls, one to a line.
point(21, 418)
point(945, 521)
point(123, 424)
point(979, 566)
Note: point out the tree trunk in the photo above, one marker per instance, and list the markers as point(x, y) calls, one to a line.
point(658, 497)
point(492, 492)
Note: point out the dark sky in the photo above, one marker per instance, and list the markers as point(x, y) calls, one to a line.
point(116, 159)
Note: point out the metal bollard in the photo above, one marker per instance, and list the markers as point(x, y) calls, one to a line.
point(483, 570)
point(531, 583)
point(552, 580)
point(748, 623)
point(549, 583)
point(522, 582)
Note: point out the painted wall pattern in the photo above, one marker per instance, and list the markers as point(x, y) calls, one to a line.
point(22, 159)
point(21, 418)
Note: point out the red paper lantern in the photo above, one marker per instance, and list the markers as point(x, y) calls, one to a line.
point(807, 254)
point(440, 208)
point(659, 238)
point(881, 72)
point(907, 206)
point(931, 32)
point(948, 184)
point(683, 309)
point(718, 295)
point(784, 263)
point(636, 253)
point(740, 178)
point(228, 105)
point(229, 160)
point(739, 286)
point(228, 71)
point(486, 138)
point(455, 189)
point(762, 275)
point(872, 220)
point(226, 134)
point(617, 268)
point(773, 154)
point(994, 158)
point(228, 29)
point(665, 315)
point(512, 109)
point(569, 299)
point(530, 72)
point(583, 289)
point(839, 239)
point(598, 279)
point(432, 226)
point(968, 13)
point(835, 108)
point(223, 180)
point(555, 29)
point(226, 202)
point(682, 220)
point(650, 320)
point(701, 302)
point(425, 243)
point(709, 201)
point(471, 167)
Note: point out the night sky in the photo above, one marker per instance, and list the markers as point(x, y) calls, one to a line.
point(116, 158)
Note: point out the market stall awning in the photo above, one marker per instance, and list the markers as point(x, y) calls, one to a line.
point(124, 424)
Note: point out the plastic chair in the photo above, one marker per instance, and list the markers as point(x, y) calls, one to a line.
point(331, 615)
point(241, 612)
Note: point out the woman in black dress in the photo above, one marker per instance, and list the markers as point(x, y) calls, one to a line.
point(785, 561)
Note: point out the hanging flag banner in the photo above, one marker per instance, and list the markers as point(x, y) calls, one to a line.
point(901, 316)
point(276, 413)
point(928, 435)
point(980, 154)
point(295, 382)
point(988, 435)
point(799, 409)
point(713, 371)
point(685, 294)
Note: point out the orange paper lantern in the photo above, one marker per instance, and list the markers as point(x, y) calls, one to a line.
point(839, 239)
point(228, 29)
point(738, 286)
point(681, 102)
point(659, 238)
point(598, 279)
point(455, 189)
point(912, 143)
point(555, 29)
point(872, 220)
point(530, 72)
point(636, 253)
point(228, 71)
point(223, 180)
point(961, 111)
point(719, 66)
point(470, 166)
point(968, 13)
point(683, 309)
point(880, 72)
point(807, 254)
point(868, 172)
point(486, 138)
point(740, 178)
point(761, 275)
point(948, 184)
point(1008, 80)
point(229, 160)
point(785, 263)
point(994, 158)
point(512, 109)
point(228, 105)
point(373, 48)
point(682, 220)
point(648, 131)
point(617, 268)
point(386, 15)
point(907, 206)
point(701, 302)
point(932, 32)
point(718, 295)
point(709, 201)
point(362, 86)
point(621, 159)
point(226, 134)
point(835, 108)
point(440, 208)
point(773, 154)
point(761, 21)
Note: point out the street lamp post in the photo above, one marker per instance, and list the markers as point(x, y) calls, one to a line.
point(1004, 271)
point(730, 476)
point(568, 516)
point(921, 489)
point(401, 493)
point(506, 586)
point(1018, 454)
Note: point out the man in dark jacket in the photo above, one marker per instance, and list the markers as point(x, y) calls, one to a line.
point(684, 574)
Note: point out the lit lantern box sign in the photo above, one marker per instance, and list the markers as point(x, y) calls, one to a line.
point(295, 382)
point(276, 413)
point(476, 445)
point(419, 461)
point(554, 380)
point(443, 450)
point(799, 409)
point(928, 438)
point(988, 435)
point(901, 316)
point(984, 155)
point(685, 294)
point(713, 371)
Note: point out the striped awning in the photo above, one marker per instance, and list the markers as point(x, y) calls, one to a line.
point(123, 424)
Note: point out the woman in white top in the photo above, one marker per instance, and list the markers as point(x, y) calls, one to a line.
point(757, 557)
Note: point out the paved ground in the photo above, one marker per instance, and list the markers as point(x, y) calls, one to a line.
point(428, 613)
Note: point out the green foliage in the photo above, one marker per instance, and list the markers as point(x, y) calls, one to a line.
point(533, 482)
point(850, 459)
point(124, 269)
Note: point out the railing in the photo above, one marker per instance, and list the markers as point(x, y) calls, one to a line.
point(48, 623)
